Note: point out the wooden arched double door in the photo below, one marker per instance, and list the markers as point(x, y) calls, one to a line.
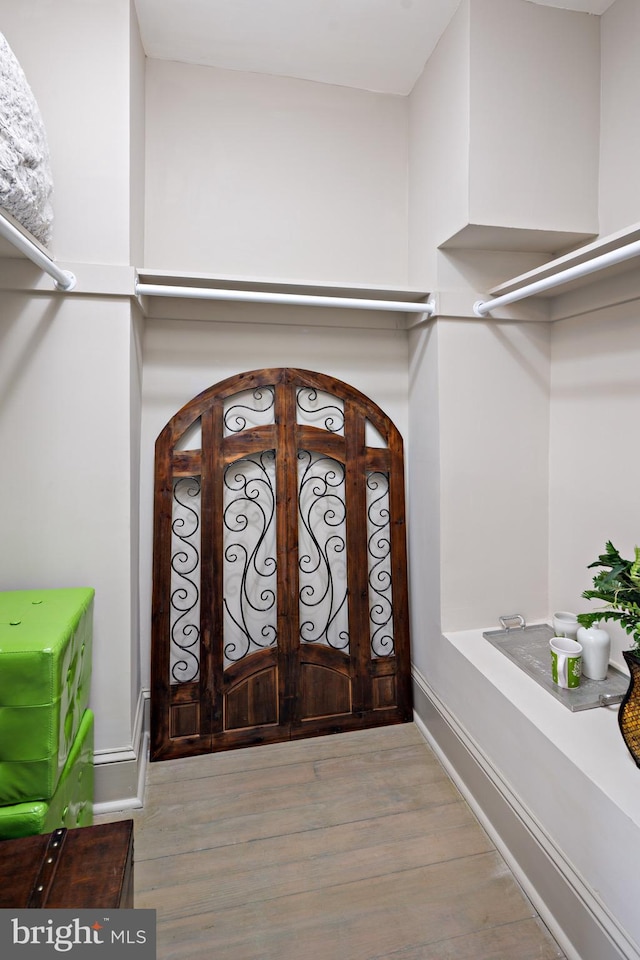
point(280, 587)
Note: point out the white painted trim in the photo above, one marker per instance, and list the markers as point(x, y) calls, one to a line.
point(129, 803)
point(130, 752)
point(94, 279)
point(120, 773)
point(586, 898)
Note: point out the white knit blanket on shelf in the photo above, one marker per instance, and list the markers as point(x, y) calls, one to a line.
point(25, 174)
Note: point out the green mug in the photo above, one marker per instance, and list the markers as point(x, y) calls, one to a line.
point(566, 662)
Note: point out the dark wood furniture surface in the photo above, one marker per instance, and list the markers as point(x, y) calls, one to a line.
point(69, 869)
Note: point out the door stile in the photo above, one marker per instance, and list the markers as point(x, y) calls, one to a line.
point(160, 662)
point(286, 534)
point(179, 710)
point(212, 666)
point(399, 566)
point(358, 594)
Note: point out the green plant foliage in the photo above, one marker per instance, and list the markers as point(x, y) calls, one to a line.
point(618, 586)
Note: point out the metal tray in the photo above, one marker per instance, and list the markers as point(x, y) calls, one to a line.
point(528, 647)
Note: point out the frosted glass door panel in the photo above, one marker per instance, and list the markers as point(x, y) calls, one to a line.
point(322, 555)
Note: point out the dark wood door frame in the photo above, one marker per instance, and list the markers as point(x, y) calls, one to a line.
point(287, 687)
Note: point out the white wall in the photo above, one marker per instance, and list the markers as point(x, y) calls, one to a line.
point(82, 90)
point(271, 177)
point(135, 370)
point(494, 429)
point(536, 455)
point(535, 85)
point(423, 527)
point(503, 144)
point(439, 150)
point(620, 141)
point(479, 396)
point(182, 358)
point(595, 458)
point(136, 141)
point(66, 488)
point(595, 406)
point(531, 148)
point(69, 375)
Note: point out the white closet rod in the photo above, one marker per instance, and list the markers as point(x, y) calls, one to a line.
point(483, 308)
point(65, 280)
point(296, 299)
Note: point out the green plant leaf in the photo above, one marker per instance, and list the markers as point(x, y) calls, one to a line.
point(618, 586)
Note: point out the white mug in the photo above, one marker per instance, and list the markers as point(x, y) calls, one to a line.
point(566, 662)
point(565, 624)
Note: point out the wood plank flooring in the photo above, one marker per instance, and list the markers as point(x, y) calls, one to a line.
point(351, 847)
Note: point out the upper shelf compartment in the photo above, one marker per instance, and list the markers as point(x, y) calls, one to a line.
point(588, 253)
point(476, 236)
point(602, 260)
point(189, 296)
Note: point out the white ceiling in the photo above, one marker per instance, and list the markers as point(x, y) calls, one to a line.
point(379, 45)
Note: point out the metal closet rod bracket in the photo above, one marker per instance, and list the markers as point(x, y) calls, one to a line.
point(67, 283)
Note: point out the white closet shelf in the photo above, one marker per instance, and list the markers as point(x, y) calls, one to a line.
point(590, 251)
point(166, 294)
point(480, 236)
point(304, 288)
point(559, 281)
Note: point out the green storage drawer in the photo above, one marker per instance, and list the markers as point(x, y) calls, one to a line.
point(45, 677)
point(71, 804)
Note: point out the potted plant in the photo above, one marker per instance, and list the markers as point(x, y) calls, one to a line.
point(618, 586)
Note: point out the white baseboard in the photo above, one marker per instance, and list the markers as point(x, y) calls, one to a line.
point(576, 916)
point(120, 773)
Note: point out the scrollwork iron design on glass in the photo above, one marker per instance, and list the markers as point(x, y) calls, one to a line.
point(322, 559)
point(314, 405)
point(379, 564)
point(250, 613)
point(249, 408)
point(185, 580)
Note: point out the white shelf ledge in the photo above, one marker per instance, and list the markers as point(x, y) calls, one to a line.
point(588, 739)
point(599, 247)
point(480, 236)
point(566, 777)
point(178, 295)
point(305, 288)
point(610, 261)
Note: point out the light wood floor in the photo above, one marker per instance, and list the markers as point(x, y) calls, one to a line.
point(351, 847)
